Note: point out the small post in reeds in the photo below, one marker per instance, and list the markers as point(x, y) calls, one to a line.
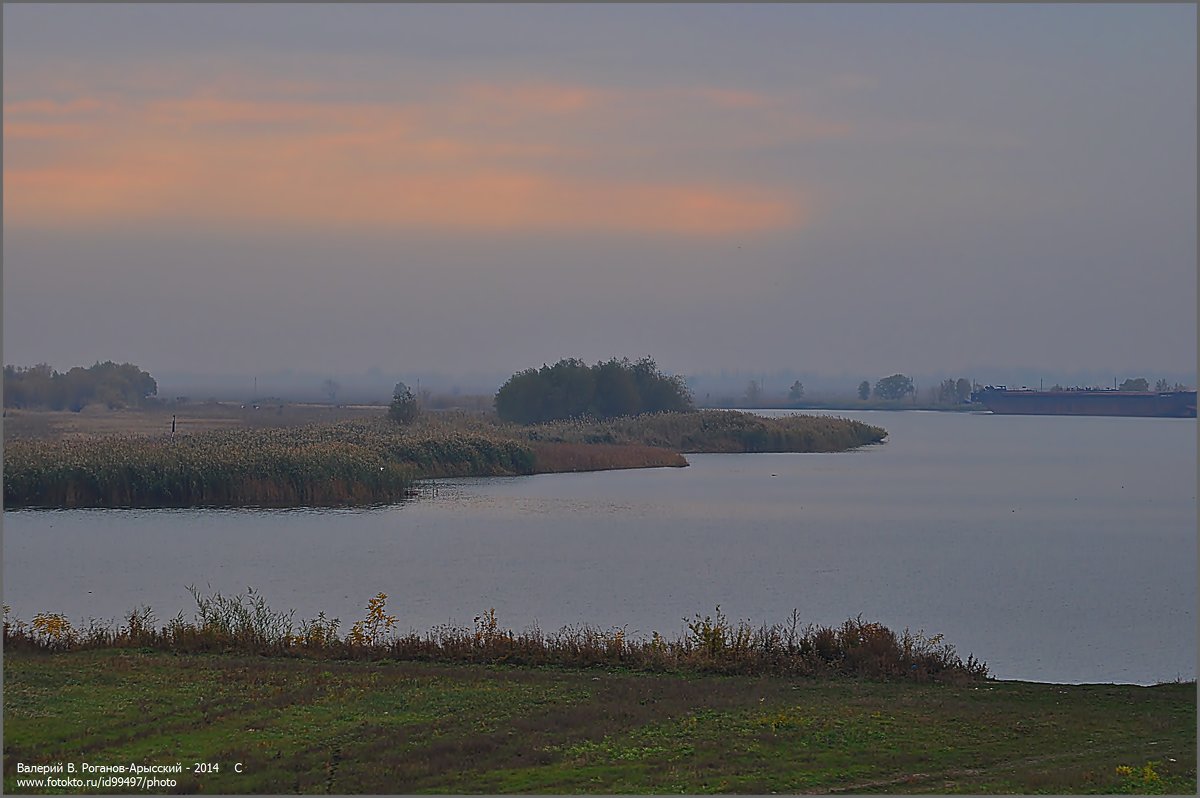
point(172, 423)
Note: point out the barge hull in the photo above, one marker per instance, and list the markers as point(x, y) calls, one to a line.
point(1169, 404)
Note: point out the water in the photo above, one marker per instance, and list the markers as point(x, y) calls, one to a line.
point(1054, 548)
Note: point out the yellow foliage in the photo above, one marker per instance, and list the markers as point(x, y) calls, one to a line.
point(374, 628)
point(53, 627)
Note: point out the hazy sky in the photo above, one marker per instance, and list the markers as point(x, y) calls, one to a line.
point(872, 188)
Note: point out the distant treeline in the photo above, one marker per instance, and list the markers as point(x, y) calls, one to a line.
point(106, 383)
point(572, 389)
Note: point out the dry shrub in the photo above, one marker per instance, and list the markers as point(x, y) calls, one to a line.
point(712, 643)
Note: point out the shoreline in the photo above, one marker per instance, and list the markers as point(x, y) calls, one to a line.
point(373, 461)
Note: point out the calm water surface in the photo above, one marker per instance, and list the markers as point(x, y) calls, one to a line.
point(1054, 548)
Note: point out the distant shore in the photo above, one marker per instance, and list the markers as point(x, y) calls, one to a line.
point(965, 407)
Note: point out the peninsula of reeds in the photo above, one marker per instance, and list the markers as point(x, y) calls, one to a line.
point(374, 461)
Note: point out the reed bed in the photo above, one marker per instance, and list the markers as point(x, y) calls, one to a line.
point(374, 461)
point(718, 431)
point(313, 465)
point(562, 457)
point(709, 643)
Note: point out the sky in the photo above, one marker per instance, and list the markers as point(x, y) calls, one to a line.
point(858, 189)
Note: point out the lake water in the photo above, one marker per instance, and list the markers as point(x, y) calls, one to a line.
point(1057, 549)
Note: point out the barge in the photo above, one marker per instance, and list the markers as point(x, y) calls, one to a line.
point(1086, 402)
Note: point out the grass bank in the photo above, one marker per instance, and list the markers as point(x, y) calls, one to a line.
point(299, 725)
point(373, 461)
point(718, 431)
point(712, 643)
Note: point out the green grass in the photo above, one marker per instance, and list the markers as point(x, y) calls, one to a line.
point(305, 725)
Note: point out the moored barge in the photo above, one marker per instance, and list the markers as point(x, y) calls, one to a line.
point(1087, 402)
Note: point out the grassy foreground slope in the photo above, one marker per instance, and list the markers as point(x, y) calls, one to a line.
point(307, 725)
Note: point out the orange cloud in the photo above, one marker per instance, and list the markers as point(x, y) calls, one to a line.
point(217, 160)
point(42, 131)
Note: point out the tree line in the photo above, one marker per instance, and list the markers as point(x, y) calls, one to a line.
point(1142, 384)
point(948, 392)
point(572, 389)
point(111, 384)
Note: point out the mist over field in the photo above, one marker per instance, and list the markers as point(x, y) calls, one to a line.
point(246, 198)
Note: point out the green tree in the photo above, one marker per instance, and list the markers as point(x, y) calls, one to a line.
point(658, 392)
point(796, 392)
point(115, 385)
point(1139, 384)
point(947, 392)
point(521, 398)
point(330, 388)
point(896, 386)
point(864, 390)
point(571, 389)
point(617, 392)
point(404, 409)
point(753, 393)
point(951, 391)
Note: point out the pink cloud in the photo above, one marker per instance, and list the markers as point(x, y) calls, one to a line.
point(227, 160)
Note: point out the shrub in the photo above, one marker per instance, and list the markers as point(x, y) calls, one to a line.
point(404, 409)
point(713, 643)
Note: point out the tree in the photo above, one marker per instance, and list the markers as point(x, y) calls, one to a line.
point(753, 393)
point(864, 390)
point(950, 391)
point(521, 398)
point(330, 388)
point(404, 409)
point(796, 392)
point(658, 392)
point(1139, 384)
point(617, 392)
point(115, 385)
point(962, 389)
point(947, 392)
point(896, 386)
point(572, 389)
